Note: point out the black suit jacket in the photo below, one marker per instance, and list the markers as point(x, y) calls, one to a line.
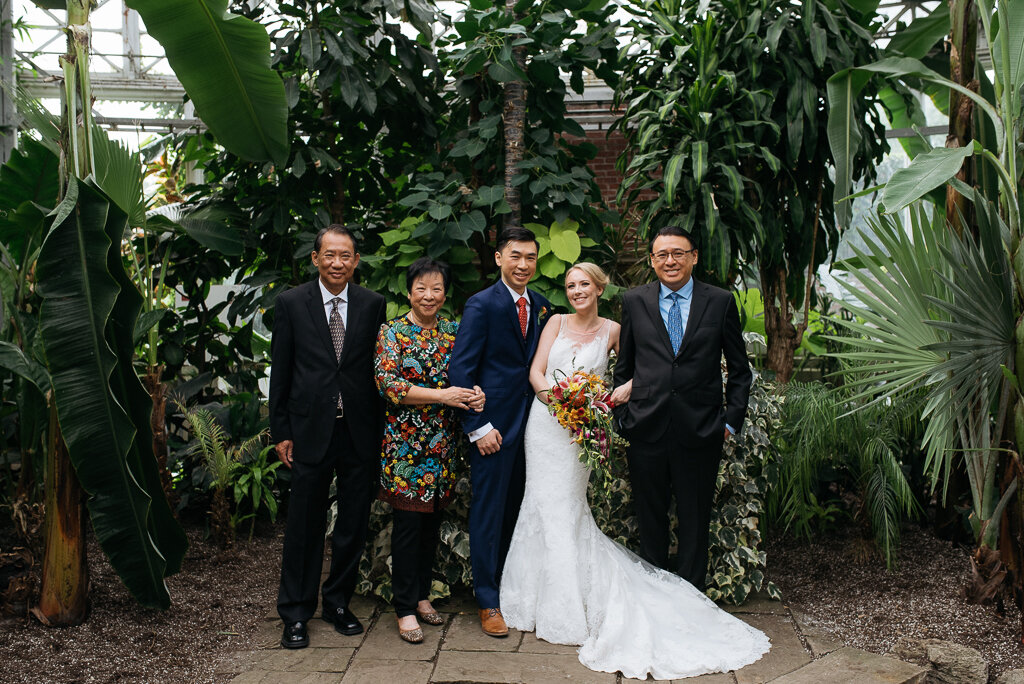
point(305, 378)
point(682, 390)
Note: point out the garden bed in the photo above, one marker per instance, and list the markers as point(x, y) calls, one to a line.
point(219, 600)
point(851, 596)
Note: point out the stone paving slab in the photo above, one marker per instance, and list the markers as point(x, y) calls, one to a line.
point(757, 605)
point(514, 668)
point(787, 653)
point(304, 660)
point(531, 644)
point(368, 671)
point(716, 678)
point(383, 643)
point(276, 677)
point(854, 666)
point(819, 641)
point(465, 634)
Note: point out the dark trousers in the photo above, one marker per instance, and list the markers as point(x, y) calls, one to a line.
point(498, 481)
point(413, 547)
point(302, 558)
point(658, 470)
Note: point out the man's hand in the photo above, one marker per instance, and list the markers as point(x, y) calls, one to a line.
point(284, 452)
point(727, 435)
point(489, 443)
point(622, 393)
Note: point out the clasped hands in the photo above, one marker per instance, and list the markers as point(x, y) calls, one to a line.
point(463, 398)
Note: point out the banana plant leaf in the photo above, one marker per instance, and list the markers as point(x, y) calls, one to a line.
point(223, 61)
point(29, 187)
point(107, 445)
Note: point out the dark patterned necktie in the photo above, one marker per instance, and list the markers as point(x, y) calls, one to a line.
point(337, 333)
point(521, 303)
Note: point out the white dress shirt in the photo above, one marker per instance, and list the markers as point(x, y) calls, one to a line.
point(481, 431)
point(342, 305)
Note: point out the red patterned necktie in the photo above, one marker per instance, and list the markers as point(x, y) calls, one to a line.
point(522, 314)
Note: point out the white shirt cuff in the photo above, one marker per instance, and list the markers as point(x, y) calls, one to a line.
point(479, 432)
point(730, 428)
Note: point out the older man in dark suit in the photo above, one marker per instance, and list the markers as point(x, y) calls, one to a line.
point(674, 333)
point(326, 418)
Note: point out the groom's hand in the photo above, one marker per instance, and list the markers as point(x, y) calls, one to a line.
point(489, 443)
point(284, 452)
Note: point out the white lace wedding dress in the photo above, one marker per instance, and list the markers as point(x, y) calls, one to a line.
point(573, 585)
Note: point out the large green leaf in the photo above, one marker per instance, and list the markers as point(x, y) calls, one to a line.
point(926, 171)
point(918, 37)
point(209, 226)
point(79, 295)
point(843, 136)
point(1013, 39)
point(223, 60)
point(28, 183)
point(16, 361)
point(119, 175)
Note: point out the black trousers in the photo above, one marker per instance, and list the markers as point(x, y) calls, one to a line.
point(413, 548)
point(658, 470)
point(302, 558)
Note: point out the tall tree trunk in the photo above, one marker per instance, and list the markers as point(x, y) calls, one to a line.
point(158, 392)
point(63, 599)
point(514, 118)
point(64, 594)
point(962, 54)
point(783, 337)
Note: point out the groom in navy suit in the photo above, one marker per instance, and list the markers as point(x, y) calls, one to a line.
point(493, 349)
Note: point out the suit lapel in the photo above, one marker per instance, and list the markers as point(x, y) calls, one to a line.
point(315, 304)
point(698, 302)
point(533, 332)
point(355, 311)
point(650, 299)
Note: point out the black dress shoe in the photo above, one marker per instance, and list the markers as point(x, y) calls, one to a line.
point(344, 621)
point(295, 635)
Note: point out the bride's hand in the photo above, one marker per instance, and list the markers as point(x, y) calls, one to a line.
point(622, 393)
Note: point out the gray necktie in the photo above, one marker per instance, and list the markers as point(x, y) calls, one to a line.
point(337, 333)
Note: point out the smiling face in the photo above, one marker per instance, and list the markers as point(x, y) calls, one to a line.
point(426, 296)
point(518, 262)
point(336, 261)
point(581, 290)
point(673, 258)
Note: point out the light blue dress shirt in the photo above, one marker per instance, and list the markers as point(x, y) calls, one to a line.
point(665, 303)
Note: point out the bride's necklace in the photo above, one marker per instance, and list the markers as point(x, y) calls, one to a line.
point(587, 332)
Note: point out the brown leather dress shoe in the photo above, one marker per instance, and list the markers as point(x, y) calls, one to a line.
point(493, 623)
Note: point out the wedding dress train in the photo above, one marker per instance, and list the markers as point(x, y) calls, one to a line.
point(568, 582)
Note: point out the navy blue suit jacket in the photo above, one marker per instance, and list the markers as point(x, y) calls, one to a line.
point(490, 351)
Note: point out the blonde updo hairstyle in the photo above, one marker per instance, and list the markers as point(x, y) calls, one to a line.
point(593, 271)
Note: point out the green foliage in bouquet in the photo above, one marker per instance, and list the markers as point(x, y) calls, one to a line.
point(737, 561)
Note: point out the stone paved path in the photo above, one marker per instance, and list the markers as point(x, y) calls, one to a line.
point(459, 652)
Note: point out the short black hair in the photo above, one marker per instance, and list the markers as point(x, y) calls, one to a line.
point(516, 234)
point(425, 266)
point(339, 230)
point(673, 230)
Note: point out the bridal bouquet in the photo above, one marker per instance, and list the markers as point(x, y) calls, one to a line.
point(582, 404)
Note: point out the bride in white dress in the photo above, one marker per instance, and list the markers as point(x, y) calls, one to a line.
point(567, 581)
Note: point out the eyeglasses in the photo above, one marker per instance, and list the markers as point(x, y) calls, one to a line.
point(676, 254)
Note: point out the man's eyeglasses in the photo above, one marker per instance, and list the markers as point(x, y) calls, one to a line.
point(676, 254)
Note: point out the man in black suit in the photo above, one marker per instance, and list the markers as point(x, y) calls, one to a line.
point(674, 333)
point(326, 418)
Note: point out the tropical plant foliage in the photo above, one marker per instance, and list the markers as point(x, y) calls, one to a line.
point(725, 119)
point(837, 460)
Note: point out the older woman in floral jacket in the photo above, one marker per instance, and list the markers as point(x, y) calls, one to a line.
point(420, 437)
